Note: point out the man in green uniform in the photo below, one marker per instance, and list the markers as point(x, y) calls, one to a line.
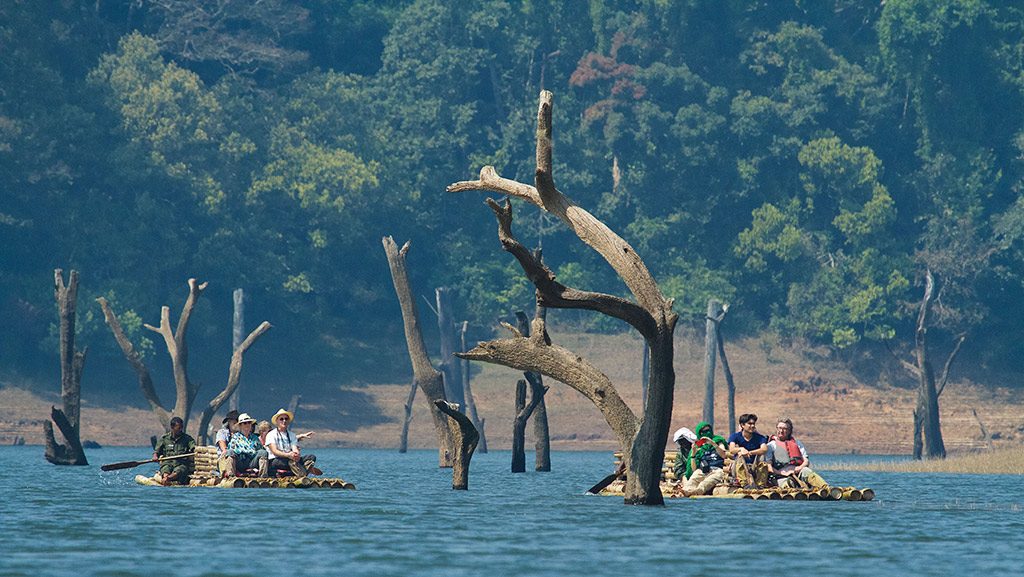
point(177, 442)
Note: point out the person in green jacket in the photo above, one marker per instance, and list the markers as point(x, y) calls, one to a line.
point(706, 466)
point(684, 438)
point(176, 442)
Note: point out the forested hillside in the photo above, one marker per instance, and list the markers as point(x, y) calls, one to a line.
point(805, 160)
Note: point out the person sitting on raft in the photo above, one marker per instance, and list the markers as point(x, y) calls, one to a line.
point(284, 448)
point(247, 449)
point(707, 463)
point(174, 443)
point(747, 442)
point(225, 460)
point(787, 459)
point(684, 438)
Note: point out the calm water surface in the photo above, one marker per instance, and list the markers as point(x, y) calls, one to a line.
point(405, 520)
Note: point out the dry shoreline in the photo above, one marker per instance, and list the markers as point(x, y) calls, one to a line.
point(834, 412)
point(1001, 461)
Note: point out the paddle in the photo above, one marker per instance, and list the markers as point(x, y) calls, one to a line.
point(602, 484)
point(130, 464)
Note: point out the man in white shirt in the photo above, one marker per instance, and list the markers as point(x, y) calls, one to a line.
point(284, 450)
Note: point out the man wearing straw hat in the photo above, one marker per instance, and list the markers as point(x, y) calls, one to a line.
point(284, 447)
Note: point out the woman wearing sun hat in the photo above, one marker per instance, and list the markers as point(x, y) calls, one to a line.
point(245, 445)
point(284, 447)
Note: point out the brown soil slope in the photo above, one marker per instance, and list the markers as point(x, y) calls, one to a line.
point(832, 411)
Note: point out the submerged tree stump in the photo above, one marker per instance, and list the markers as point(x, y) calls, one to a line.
point(465, 436)
point(72, 361)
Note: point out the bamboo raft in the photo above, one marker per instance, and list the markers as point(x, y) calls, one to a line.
point(206, 474)
point(670, 489)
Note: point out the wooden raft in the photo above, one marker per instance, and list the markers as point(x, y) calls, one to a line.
point(670, 489)
point(206, 474)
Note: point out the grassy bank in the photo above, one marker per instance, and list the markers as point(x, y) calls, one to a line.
point(1009, 461)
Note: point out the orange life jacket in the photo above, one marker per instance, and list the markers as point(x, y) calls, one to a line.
point(787, 453)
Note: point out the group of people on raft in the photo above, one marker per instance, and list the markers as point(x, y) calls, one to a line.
point(244, 448)
point(746, 459)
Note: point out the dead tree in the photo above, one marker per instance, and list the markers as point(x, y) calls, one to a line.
point(237, 335)
point(429, 379)
point(450, 366)
point(927, 429)
point(524, 410)
point(467, 390)
point(642, 439)
point(927, 432)
point(710, 350)
point(729, 382)
point(68, 419)
point(645, 371)
point(465, 437)
point(177, 348)
point(234, 375)
point(403, 439)
point(541, 431)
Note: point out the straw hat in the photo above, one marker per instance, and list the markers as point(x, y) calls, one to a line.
point(280, 412)
point(245, 418)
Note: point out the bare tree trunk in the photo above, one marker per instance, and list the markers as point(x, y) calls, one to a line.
point(985, 436)
point(71, 364)
point(429, 379)
point(645, 373)
point(523, 410)
point(467, 390)
point(928, 398)
point(710, 348)
point(519, 419)
point(918, 450)
point(177, 348)
point(237, 336)
point(465, 438)
point(451, 366)
point(542, 438)
point(729, 382)
point(541, 432)
point(293, 404)
point(643, 440)
point(135, 360)
point(403, 440)
point(234, 375)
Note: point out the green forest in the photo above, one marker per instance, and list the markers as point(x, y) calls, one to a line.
point(806, 161)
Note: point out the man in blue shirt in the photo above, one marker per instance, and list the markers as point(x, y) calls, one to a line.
point(747, 442)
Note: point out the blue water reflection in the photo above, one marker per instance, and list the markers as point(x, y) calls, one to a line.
point(406, 520)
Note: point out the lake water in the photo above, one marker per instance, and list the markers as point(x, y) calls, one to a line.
point(404, 519)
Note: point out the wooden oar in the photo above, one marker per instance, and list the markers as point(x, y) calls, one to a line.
point(602, 484)
point(130, 464)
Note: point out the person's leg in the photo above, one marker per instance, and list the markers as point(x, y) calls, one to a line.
point(690, 485)
point(262, 463)
point(298, 468)
point(178, 475)
point(741, 473)
point(243, 463)
point(708, 484)
point(277, 463)
point(226, 464)
point(309, 462)
point(811, 478)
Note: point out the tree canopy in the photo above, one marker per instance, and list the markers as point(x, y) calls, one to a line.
point(807, 161)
